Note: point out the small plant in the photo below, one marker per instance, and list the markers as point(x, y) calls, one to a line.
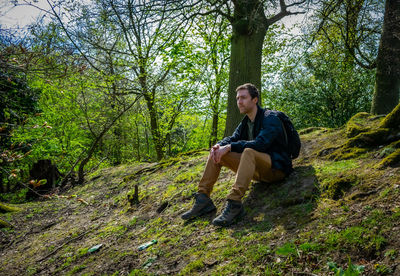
point(352, 269)
point(382, 269)
point(286, 250)
point(391, 253)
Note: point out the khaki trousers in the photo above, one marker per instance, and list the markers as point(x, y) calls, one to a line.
point(248, 165)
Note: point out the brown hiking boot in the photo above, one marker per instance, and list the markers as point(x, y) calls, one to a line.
point(233, 211)
point(202, 205)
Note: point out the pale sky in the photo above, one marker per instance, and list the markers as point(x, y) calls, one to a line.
point(20, 16)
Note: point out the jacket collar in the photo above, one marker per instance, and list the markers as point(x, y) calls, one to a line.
point(259, 115)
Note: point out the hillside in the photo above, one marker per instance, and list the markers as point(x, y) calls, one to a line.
point(339, 210)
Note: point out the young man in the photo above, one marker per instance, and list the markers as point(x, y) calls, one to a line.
point(256, 150)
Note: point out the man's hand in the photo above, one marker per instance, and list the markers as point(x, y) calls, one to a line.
point(213, 150)
point(217, 152)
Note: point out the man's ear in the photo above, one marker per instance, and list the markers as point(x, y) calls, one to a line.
point(255, 100)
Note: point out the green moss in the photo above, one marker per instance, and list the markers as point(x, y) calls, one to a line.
point(332, 168)
point(310, 130)
point(391, 160)
point(76, 269)
point(109, 230)
point(337, 187)
point(356, 238)
point(6, 208)
point(192, 267)
point(4, 224)
point(347, 153)
point(370, 138)
point(392, 120)
point(357, 124)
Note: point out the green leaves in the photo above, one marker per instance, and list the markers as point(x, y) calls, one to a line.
point(352, 269)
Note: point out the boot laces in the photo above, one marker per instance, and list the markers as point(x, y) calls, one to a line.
point(227, 209)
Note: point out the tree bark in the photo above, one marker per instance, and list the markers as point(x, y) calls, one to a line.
point(214, 129)
point(387, 81)
point(154, 127)
point(249, 29)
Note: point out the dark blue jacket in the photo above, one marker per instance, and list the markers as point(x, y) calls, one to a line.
point(269, 138)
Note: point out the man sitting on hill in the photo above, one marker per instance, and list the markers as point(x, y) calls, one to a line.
point(256, 150)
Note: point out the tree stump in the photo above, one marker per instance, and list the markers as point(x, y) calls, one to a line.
point(43, 169)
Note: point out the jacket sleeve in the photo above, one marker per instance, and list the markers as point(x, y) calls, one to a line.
point(230, 139)
point(270, 131)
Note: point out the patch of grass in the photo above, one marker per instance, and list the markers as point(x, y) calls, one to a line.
point(382, 269)
point(352, 269)
point(76, 269)
point(264, 225)
point(257, 252)
point(287, 249)
point(309, 247)
point(31, 270)
point(391, 253)
point(192, 267)
point(330, 168)
point(109, 230)
point(138, 272)
point(355, 238)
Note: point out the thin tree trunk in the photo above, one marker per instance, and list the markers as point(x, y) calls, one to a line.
point(387, 81)
point(154, 127)
point(353, 8)
point(1, 183)
point(147, 142)
point(214, 129)
point(137, 142)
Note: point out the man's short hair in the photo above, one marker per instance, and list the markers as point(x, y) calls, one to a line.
point(253, 91)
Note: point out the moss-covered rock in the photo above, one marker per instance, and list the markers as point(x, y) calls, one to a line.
point(392, 120)
point(337, 187)
point(357, 124)
point(391, 160)
point(370, 138)
point(4, 224)
point(311, 129)
point(345, 153)
point(6, 209)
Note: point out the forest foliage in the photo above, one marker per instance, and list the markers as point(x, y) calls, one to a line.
point(102, 83)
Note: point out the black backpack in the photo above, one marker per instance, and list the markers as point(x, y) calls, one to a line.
point(291, 136)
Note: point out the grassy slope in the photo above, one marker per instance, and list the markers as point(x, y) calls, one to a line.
point(327, 211)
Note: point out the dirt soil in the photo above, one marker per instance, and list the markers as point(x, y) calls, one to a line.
point(345, 212)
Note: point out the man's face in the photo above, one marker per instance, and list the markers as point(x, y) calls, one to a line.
point(244, 101)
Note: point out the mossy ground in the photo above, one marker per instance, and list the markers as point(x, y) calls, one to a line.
point(327, 211)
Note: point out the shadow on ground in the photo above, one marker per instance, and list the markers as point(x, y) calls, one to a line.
point(288, 203)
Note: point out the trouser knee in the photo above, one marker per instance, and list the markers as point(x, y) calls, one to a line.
point(248, 152)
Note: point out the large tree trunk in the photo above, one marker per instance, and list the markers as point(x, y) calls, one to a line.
point(387, 82)
point(249, 29)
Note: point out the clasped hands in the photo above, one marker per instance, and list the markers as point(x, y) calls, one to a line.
point(218, 151)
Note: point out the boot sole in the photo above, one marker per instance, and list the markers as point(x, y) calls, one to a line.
point(236, 219)
point(203, 212)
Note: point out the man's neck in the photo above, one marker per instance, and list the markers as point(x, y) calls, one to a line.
point(252, 114)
